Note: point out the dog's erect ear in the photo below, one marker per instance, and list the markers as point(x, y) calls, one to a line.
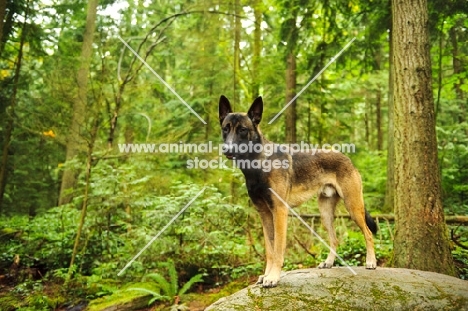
point(224, 108)
point(256, 110)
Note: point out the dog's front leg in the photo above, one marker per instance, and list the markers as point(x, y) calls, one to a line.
point(269, 235)
point(278, 244)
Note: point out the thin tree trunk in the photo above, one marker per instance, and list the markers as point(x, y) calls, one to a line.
point(84, 207)
point(322, 106)
point(291, 114)
point(367, 124)
point(75, 143)
point(421, 240)
point(378, 119)
point(378, 101)
point(457, 70)
point(439, 74)
point(237, 35)
point(236, 67)
point(257, 49)
point(309, 121)
point(10, 118)
point(3, 5)
point(390, 185)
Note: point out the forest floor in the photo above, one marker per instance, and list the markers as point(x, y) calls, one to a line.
point(48, 295)
point(25, 293)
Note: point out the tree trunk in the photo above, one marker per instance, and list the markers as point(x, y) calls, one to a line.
point(3, 5)
point(458, 69)
point(440, 73)
point(390, 185)
point(257, 49)
point(323, 102)
point(378, 100)
point(454, 220)
point(237, 35)
point(378, 119)
point(367, 124)
point(290, 93)
point(84, 207)
point(75, 142)
point(421, 240)
point(10, 121)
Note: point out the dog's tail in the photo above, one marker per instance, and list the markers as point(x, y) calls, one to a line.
point(370, 222)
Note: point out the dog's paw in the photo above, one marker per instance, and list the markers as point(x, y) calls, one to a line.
point(260, 280)
point(371, 265)
point(325, 265)
point(270, 281)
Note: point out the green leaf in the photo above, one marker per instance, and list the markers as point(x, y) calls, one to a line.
point(163, 284)
point(195, 279)
point(156, 295)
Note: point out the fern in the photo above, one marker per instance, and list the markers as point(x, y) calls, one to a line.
point(156, 295)
point(195, 279)
point(162, 283)
point(169, 288)
point(173, 277)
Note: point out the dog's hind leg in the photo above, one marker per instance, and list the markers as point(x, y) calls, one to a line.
point(354, 203)
point(327, 201)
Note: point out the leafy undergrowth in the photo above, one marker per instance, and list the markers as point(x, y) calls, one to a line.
point(459, 237)
point(51, 293)
point(40, 295)
point(212, 260)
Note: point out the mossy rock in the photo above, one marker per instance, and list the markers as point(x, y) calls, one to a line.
point(339, 289)
point(124, 300)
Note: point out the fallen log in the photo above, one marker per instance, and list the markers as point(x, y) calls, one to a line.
point(452, 219)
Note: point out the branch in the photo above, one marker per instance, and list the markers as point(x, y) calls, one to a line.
point(456, 219)
point(169, 19)
point(455, 239)
point(304, 246)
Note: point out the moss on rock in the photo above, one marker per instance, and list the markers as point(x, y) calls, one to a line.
point(339, 289)
point(123, 299)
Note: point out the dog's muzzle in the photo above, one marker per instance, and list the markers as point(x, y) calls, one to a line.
point(228, 149)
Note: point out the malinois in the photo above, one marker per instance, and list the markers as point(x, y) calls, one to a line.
point(295, 177)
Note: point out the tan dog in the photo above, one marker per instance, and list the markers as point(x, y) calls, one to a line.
point(295, 177)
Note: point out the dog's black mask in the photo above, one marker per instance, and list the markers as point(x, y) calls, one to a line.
point(240, 131)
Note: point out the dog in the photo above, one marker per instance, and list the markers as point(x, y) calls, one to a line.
point(293, 178)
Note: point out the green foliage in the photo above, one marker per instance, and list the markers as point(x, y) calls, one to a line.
point(170, 286)
point(372, 166)
point(155, 294)
point(98, 287)
point(460, 250)
point(46, 239)
point(460, 256)
point(123, 296)
point(352, 247)
point(132, 196)
point(33, 295)
point(453, 156)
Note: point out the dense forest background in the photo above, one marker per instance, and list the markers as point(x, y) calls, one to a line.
point(75, 208)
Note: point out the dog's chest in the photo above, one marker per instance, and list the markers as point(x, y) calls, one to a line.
point(259, 193)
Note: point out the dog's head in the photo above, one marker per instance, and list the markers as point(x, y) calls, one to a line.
point(240, 128)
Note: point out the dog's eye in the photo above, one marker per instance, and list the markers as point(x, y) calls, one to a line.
point(226, 129)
